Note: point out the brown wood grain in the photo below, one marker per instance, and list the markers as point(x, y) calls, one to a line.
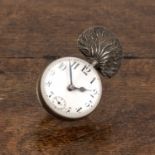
point(32, 34)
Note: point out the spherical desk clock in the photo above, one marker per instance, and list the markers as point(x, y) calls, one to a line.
point(71, 87)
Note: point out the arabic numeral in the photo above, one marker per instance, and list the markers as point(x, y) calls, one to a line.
point(86, 70)
point(75, 65)
point(79, 109)
point(62, 66)
point(49, 83)
point(51, 94)
point(69, 109)
point(94, 92)
point(91, 82)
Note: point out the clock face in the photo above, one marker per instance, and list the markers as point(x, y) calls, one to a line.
point(71, 87)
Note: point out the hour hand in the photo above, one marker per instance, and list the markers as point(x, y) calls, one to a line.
point(82, 89)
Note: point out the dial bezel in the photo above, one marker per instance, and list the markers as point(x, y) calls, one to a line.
point(46, 99)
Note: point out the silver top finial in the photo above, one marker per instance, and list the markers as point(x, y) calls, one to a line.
point(102, 48)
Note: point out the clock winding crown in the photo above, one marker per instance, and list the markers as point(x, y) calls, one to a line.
point(101, 47)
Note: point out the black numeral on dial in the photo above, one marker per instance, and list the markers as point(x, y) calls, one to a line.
point(62, 66)
point(91, 82)
point(75, 65)
point(51, 94)
point(49, 83)
point(86, 70)
point(79, 109)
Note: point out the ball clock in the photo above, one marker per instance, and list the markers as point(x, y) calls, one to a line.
point(71, 87)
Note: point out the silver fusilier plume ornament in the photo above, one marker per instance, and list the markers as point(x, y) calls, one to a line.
point(102, 48)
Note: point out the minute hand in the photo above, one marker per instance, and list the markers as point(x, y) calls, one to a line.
point(70, 73)
point(71, 86)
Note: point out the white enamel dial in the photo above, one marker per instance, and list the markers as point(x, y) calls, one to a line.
point(71, 87)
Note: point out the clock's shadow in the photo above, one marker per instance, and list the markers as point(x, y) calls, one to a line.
point(62, 134)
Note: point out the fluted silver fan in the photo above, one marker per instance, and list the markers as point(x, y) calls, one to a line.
point(101, 47)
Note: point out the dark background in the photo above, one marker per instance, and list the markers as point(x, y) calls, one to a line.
point(32, 34)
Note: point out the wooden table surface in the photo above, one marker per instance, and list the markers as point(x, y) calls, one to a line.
point(32, 34)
